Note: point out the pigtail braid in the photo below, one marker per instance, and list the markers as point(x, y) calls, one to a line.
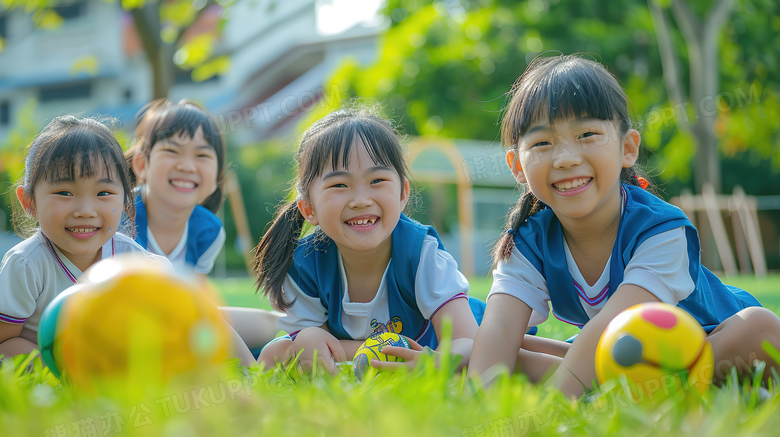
point(274, 254)
point(527, 205)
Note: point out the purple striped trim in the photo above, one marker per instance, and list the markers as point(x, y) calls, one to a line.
point(62, 265)
point(183, 251)
point(596, 300)
point(623, 205)
point(457, 296)
point(10, 319)
point(294, 334)
point(59, 261)
point(424, 330)
point(565, 321)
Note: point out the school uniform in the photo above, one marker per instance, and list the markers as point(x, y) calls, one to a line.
point(420, 278)
point(35, 271)
point(657, 248)
point(200, 243)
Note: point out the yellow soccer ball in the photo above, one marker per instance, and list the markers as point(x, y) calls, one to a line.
point(660, 347)
point(371, 349)
point(132, 318)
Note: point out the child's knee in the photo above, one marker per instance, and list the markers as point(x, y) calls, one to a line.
point(763, 318)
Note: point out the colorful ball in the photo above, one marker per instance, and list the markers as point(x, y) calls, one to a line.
point(660, 347)
point(371, 349)
point(132, 318)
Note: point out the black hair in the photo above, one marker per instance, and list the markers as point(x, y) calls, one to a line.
point(556, 89)
point(73, 147)
point(162, 119)
point(327, 142)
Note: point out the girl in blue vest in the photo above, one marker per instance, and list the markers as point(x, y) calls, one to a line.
point(178, 165)
point(589, 240)
point(367, 268)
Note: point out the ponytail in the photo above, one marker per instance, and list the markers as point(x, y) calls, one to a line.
point(274, 254)
point(524, 208)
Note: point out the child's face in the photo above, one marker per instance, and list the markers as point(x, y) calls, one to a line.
point(357, 208)
point(181, 171)
point(79, 216)
point(574, 165)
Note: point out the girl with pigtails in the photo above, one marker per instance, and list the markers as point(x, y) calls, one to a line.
point(367, 267)
point(588, 239)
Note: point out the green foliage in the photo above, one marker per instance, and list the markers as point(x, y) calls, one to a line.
point(444, 70)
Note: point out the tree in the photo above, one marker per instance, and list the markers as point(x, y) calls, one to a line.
point(445, 67)
point(164, 28)
point(701, 38)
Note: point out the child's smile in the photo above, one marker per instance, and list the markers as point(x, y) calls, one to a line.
point(183, 185)
point(180, 172)
point(363, 223)
point(79, 216)
point(573, 186)
point(358, 207)
point(575, 165)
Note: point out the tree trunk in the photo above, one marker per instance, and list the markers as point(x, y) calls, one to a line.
point(159, 54)
point(701, 38)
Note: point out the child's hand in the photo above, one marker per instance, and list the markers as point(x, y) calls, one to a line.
point(327, 347)
point(410, 356)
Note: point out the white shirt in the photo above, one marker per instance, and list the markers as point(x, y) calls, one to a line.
point(437, 282)
point(178, 255)
point(30, 277)
point(659, 265)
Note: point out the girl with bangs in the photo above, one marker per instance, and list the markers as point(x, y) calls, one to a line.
point(367, 268)
point(590, 239)
point(72, 198)
point(178, 165)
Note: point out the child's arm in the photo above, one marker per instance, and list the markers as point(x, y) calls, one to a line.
point(11, 343)
point(464, 328)
point(579, 363)
point(501, 334)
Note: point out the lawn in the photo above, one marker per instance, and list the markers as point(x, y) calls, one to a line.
point(426, 402)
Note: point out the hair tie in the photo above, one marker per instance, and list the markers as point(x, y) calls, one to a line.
point(642, 182)
point(511, 232)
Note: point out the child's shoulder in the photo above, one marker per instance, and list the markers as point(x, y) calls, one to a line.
point(639, 198)
point(32, 251)
point(29, 248)
point(204, 219)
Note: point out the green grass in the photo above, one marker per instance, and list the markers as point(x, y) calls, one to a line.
point(426, 402)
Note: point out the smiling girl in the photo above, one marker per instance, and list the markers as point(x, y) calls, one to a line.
point(76, 187)
point(586, 237)
point(367, 268)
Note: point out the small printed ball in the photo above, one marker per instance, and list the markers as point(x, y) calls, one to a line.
point(661, 348)
point(371, 349)
point(132, 318)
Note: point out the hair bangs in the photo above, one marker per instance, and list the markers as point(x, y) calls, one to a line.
point(334, 145)
point(79, 152)
point(185, 120)
point(563, 88)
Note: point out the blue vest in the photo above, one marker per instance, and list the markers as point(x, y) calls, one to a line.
point(203, 228)
point(315, 270)
point(540, 240)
